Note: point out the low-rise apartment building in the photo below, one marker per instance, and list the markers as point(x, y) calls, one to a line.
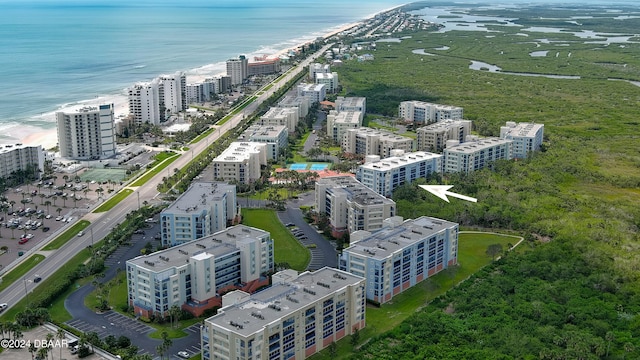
point(330, 80)
point(351, 104)
point(400, 255)
point(298, 316)
point(275, 136)
point(19, 157)
point(426, 113)
point(339, 122)
point(350, 206)
point(281, 116)
point(368, 141)
point(526, 137)
point(434, 137)
point(317, 68)
point(476, 154)
point(241, 161)
point(386, 175)
point(301, 102)
point(205, 208)
point(315, 92)
point(191, 274)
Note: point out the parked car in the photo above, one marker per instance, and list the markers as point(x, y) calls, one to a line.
point(59, 218)
point(183, 354)
point(23, 241)
point(45, 229)
point(289, 224)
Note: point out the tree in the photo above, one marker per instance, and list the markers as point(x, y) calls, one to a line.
point(175, 313)
point(49, 338)
point(333, 349)
point(493, 250)
point(355, 337)
point(60, 335)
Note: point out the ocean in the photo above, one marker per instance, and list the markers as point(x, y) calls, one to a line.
point(56, 54)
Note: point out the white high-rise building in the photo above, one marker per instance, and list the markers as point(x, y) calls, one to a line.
point(330, 80)
point(144, 103)
point(21, 158)
point(88, 133)
point(172, 89)
point(317, 68)
point(238, 69)
point(315, 92)
point(281, 116)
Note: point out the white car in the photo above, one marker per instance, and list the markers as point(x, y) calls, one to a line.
point(81, 233)
point(48, 216)
point(183, 354)
point(3, 306)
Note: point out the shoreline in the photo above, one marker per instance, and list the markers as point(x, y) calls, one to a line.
point(48, 138)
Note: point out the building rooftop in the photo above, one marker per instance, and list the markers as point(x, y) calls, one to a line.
point(354, 190)
point(239, 151)
point(350, 102)
point(220, 243)
point(279, 112)
point(261, 131)
point(442, 125)
point(397, 161)
point(271, 305)
point(386, 241)
point(438, 106)
point(471, 147)
point(383, 134)
point(520, 130)
point(347, 117)
point(5, 148)
point(198, 197)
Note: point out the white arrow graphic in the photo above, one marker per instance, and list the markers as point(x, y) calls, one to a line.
point(441, 191)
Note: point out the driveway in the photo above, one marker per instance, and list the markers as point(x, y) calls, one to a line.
point(311, 140)
point(324, 254)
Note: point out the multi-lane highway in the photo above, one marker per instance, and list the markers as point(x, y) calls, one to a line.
point(102, 223)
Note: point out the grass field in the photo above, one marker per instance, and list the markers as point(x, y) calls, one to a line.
point(109, 204)
point(471, 258)
point(286, 247)
point(202, 136)
point(19, 271)
point(153, 172)
point(67, 235)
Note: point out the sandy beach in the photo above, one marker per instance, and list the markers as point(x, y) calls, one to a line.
point(48, 138)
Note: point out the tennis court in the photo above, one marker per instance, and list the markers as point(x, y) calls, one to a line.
point(102, 175)
point(298, 166)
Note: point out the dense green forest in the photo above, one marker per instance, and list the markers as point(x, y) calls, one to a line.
point(575, 295)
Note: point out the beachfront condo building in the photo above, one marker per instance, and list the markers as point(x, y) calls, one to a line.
point(191, 275)
point(426, 113)
point(338, 122)
point(434, 137)
point(205, 208)
point(351, 104)
point(88, 133)
point(400, 255)
point(154, 102)
point(476, 154)
point(275, 136)
point(172, 94)
point(330, 80)
point(19, 158)
point(385, 175)
point(218, 84)
point(281, 116)
point(315, 92)
point(526, 137)
point(368, 141)
point(317, 68)
point(241, 162)
point(350, 206)
point(301, 102)
point(263, 67)
point(298, 316)
point(238, 70)
point(144, 103)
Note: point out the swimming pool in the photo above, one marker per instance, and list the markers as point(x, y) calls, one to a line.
point(318, 167)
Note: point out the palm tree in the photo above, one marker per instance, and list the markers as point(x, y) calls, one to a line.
point(60, 335)
point(12, 202)
point(58, 210)
point(54, 199)
point(49, 338)
point(41, 198)
point(43, 352)
point(66, 178)
point(47, 204)
point(85, 191)
point(32, 350)
point(64, 201)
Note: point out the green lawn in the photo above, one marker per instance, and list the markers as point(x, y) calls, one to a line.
point(67, 235)
point(156, 170)
point(202, 136)
point(471, 258)
point(20, 270)
point(109, 204)
point(286, 247)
